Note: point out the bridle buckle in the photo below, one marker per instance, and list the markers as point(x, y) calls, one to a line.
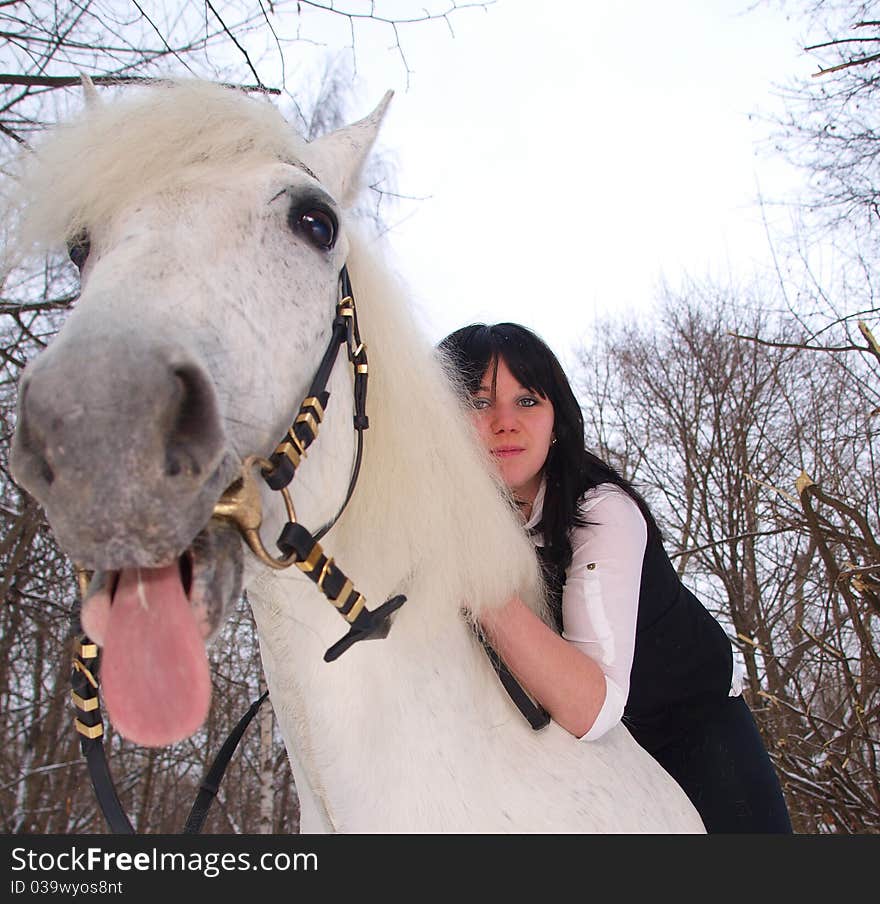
point(241, 505)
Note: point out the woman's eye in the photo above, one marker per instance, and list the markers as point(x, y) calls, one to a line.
point(480, 404)
point(319, 227)
point(78, 249)
point(528, 402)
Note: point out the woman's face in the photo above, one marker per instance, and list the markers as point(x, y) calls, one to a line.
point(516, 426)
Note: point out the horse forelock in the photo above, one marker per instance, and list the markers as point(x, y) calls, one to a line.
point(146, 142)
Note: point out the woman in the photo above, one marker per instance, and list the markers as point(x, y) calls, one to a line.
point(633, 644)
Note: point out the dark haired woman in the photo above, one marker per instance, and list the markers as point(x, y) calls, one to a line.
point(633, 644)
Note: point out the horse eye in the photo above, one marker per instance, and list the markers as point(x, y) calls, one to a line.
point(319, 227)
point(78, 249)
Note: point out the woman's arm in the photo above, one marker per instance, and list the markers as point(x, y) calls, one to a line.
point(582, 678)
point(568, 684)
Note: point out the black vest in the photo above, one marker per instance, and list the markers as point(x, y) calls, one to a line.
point(683, 661)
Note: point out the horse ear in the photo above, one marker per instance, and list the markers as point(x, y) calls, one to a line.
point(337, 158)
point(90, 92)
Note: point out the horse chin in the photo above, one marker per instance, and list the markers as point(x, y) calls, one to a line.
point(216, 556)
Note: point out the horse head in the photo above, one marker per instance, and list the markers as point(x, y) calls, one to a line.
point(210, 240)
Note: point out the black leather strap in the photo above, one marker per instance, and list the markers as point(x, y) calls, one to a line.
point(105, 791)
point(90, 726)
point(365, 624)
point(211, 782)
point(283, 469)
point(537, 716)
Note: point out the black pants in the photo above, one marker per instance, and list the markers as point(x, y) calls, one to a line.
point(723, 767)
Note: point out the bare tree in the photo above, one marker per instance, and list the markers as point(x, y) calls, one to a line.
point(717, 431)
point(831, 128)
point(49, 43)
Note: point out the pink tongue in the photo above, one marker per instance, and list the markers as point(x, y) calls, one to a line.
point(154, 670)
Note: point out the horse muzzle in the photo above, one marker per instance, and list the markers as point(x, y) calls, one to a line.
point(124, 448)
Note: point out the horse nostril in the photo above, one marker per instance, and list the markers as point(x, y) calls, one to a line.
point(179, 460)
point(194, 431)
point(46, 471)
point(32, 444)
point(36, 449)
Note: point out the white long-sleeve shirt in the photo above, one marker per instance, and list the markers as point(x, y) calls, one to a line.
point(600, 598)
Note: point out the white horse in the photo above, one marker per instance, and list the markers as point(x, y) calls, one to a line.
point(211, 239)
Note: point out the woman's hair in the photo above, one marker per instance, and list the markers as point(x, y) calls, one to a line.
point(570, 469)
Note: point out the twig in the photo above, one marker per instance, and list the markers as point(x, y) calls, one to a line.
point(65, 81)
point(234, 40)
point(859, 62)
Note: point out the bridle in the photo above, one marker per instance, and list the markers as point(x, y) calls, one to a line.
point(240, 505)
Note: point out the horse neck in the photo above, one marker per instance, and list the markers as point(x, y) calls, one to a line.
point(425, 520)
point(341, 721)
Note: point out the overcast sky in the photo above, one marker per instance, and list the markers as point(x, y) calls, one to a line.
point(573, 154)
